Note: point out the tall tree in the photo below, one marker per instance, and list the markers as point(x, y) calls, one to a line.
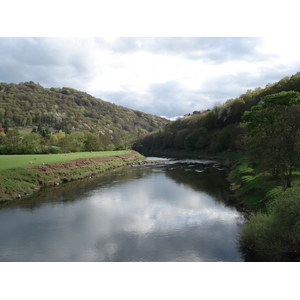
point(12, 141)
point(273, 140)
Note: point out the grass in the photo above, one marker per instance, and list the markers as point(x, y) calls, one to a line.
point(22, 161)
point(17, 181)
point(256, 190)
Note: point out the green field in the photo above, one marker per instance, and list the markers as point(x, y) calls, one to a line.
point(21, 161)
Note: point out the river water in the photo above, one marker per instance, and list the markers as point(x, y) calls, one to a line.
point(175, 210)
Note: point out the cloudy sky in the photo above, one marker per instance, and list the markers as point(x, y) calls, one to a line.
point(165, 76)
point(162, 76)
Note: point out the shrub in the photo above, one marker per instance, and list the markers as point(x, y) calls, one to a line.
point(275, 236)
point(53, 150)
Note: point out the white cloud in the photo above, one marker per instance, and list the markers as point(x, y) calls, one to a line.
point(162, 76)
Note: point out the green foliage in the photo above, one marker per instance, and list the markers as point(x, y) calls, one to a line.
point(32, 143)
point(92, 142)
point(75, 141)
point(11, 142)
point(50, 110)
point(203, 139)
point(283, 98)
point(180, 138)
point(190, 141)
point(273, 141)
point(221, 128)
point(275, 236)
point(124, 141)
point(255, 190)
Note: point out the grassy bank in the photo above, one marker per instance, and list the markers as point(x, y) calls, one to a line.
point(249, 188)
point(272, 232)
point(22, 161)
point(274, 235)
point(52, 169)
point(255, 190)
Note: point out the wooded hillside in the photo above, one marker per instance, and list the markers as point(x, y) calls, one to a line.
point(213, 130)
point(28, 104)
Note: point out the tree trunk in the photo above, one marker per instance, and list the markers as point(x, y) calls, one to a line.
point(288, 178)
point(283, 179)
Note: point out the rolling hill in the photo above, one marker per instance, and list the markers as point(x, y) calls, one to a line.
point(28, 104)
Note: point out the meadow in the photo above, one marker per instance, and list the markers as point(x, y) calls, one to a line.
point(18, 181)
point(22, 161)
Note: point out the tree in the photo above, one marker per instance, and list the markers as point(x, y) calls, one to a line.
point(73, 142)
point(273, 140)
point(6, 126)
point(2, 114)
point(32, 143)
point(202, 141)
point(190, 141)
point(2, 138)
point(12, 141)
point(125, 141)
point(53, 140)
point(61, 134)
point(93, 142)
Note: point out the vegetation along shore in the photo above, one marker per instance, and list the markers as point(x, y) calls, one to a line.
point(20, 181)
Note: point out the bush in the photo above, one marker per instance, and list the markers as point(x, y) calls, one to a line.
point(275, 236)
point(53, 150)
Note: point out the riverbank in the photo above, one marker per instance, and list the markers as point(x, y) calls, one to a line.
point(228, 157)
point(272, 231)
point(19, 182)
point(250, 190)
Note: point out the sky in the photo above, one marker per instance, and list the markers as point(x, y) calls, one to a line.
point(165, 58)
point(164, 76)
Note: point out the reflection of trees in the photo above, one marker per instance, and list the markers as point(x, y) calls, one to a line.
point(211, 181)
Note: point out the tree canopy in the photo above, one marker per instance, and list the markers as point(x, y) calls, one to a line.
point(273, 140)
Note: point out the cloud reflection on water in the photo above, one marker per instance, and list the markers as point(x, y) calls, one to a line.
point(139, 214)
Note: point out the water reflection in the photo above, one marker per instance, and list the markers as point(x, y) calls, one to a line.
point(166, 212)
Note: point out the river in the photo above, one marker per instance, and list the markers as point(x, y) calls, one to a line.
point(175, 210)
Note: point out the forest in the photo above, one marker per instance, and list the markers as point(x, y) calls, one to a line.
point(213, 130)
point(65, 120)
